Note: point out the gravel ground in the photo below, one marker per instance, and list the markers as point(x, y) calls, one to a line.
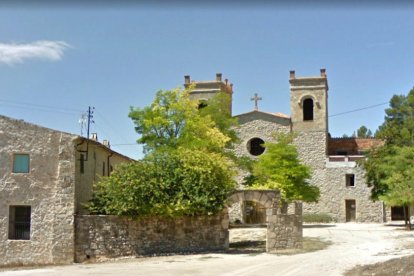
point(351, 245)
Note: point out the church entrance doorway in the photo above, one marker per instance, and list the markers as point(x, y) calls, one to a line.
point(350, 206)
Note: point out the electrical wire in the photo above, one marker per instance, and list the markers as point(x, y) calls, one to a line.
point(45, 108)
point(358, 109)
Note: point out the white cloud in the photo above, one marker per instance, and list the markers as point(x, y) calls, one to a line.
point(14, 53)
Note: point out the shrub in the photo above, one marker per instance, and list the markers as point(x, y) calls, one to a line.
point(318, 218)
point(172, 183)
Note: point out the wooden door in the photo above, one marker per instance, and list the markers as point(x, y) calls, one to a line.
point(350, 206)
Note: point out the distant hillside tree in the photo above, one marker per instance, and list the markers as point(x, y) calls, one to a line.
point(363, 132)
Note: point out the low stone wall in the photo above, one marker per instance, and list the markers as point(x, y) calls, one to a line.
point(284, 228)
point(98, 237)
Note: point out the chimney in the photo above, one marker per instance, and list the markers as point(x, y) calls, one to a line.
point(106, 143)
point(226, 81)
point(323, 73)
point(187, 79)
point(292, 74)
point(218, 77)
point(94, 137)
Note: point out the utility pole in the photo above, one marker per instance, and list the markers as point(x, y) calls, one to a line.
point(90, 118)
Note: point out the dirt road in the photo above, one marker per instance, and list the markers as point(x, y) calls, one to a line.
point(352, 244)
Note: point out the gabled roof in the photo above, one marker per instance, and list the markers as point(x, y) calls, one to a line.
point(278, 118)
point(352, 145)
point(96, 143)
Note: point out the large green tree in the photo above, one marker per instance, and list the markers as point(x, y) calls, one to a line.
point(186, 170)
point(398, 126)
point(389, 168)
point(280, 168)
point(173, 120)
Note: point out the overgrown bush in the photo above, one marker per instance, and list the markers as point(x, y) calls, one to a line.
point(170, 183)
point(318, 218)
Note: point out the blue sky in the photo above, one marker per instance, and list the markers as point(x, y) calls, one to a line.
point(57, 61)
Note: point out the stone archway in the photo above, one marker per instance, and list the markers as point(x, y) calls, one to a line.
point(284, 226)
point(266, 199)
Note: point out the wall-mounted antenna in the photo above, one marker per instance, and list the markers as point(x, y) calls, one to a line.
point(82, 122)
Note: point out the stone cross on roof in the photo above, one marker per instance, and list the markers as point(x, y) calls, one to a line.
point(256, 98)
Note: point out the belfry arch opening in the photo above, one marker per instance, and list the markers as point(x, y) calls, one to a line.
point(308, 109)
point(202, 104)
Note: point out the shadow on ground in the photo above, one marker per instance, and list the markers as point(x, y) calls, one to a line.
point(258, 247)
point(318, 225)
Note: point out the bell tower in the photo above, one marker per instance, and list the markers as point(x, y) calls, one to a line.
point(309, 108)
point(309, 102)
point(205, 90)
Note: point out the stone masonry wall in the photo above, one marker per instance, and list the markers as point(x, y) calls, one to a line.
point(257, 128)
point(48, 188)
point(99, 237)
point(334, 192)
point(284, 230)
point(330, 177)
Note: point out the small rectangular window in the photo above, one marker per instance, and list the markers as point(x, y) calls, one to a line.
point(19, 222)
point(21, 163)
point(103, 168)
point(82, 163)
point(350, 180)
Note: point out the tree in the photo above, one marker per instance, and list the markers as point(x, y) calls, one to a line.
point(389, 168)
point(363, 132)
point(218, 109)
point(280, 168)
point(398, 126)
point(173, 120)
point(185, 171)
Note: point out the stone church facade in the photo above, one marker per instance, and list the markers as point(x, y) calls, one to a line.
point(345, 195)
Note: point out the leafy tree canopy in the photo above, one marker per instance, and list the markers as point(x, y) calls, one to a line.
point(398, 126)
point(280, 168)
point(389, 169)
point(186, 170)
point(173, 120)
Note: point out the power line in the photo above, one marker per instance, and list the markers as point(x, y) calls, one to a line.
point(111, 126)
point(132, 144)
point(358, 109)
point(40, 107)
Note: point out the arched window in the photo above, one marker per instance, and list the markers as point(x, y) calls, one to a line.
point(308, 110)
point(255, 146)
point(202, 104)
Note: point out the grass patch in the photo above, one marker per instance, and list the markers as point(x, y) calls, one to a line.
point(318, 218)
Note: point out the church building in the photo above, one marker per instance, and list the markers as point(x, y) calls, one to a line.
point(345, 195)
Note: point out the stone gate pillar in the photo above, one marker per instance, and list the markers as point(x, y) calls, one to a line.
point(284, 229)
